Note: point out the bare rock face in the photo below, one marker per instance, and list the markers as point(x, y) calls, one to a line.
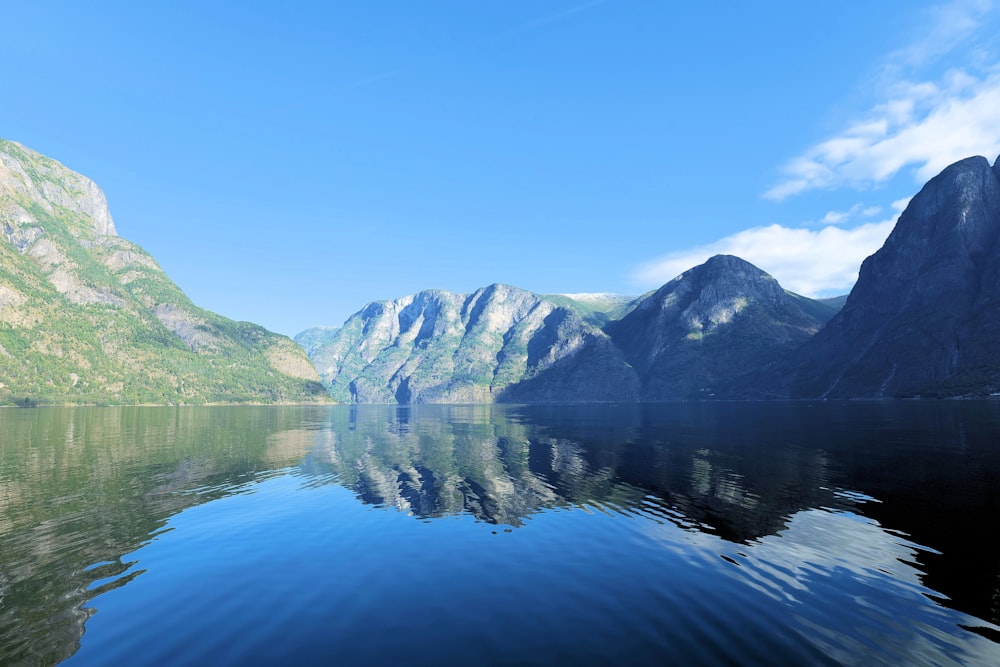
point(499, 343)
point(31, 177)
point(699, 336)
point(187, 326)
point(924, 316)
point(701, 333)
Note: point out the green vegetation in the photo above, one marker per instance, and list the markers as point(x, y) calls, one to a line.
point(87, 318)
point(500, 343)
point(597, 310)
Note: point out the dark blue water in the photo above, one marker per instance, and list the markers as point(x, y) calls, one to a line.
point(688, 534)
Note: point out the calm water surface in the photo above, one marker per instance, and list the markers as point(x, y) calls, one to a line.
point(687, 534)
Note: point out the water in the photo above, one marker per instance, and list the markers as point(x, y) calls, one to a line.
point(687, 533)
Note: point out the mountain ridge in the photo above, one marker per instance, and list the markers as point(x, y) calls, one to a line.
point(548, 349)
point(497, 343)
point(922, 318)
point(89, 317)
point(696, 336)
point(921, 321)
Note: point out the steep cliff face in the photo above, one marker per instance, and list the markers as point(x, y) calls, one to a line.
point(701, 334)
point(924, 316)
point(498, 344)
point(88, 317)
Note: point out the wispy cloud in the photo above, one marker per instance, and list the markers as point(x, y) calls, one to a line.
point(807, 261)
point(924, 124)
point(946, 27)
point(840, 217)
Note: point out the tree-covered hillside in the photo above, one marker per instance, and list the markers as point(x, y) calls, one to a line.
point(87, 317)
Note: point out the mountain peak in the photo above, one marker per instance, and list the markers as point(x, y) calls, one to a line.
point(921, 317)
point(722, 278)
point(959, 199)
point(499, 343)
point(722, 266)
point(712, 323)
point(33, 178)
point(88, 317)
point(728, 262)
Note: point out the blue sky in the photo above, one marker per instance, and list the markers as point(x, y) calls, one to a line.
point(286, 163)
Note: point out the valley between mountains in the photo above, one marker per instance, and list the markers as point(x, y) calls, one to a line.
point(86, 317)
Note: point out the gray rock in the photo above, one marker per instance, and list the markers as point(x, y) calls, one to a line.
point(922, 319)
point(499, 343)
point(31, 177)
point(704, 333)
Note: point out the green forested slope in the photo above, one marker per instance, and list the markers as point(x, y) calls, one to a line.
point(88, 317)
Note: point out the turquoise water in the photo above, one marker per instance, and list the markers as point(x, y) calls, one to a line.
point(687, 533)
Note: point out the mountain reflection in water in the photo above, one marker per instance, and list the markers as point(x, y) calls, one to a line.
point(502, 466)
point(785, 511)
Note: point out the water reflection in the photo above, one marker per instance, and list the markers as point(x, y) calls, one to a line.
point(767, 494)
point(81, 488)
point(502, 465)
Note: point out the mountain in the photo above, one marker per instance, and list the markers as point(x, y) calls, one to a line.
point(923, 318)
point(597, 308)
point(703, 332)
point(697, 336)
point(88, 317)
point(499, 343)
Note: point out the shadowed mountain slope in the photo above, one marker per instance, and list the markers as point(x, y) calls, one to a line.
point(924, 316)
point(702, 333)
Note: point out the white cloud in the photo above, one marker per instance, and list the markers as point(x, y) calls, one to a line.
point(930, 112)
point(838, 217)
point(920, 128)
point(806, 261)
point(922, 124)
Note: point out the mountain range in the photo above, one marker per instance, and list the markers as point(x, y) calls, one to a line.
point(87, 317)
point(499, 343)
point(921, 321)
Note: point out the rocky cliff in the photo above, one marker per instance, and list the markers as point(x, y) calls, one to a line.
point(499, 343)
point(696, 337)
point(88, 317)
point(703, 333)
point(924, 316)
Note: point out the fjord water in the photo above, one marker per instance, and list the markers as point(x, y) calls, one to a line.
point(682, 533)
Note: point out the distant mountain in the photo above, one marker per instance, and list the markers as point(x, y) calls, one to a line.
point(922, 320)
point(88, 317)
point(924, 316)
point(499, 343)
point(314, 339)
point(701, 334)
point(597, 308)
point(835, 302)
point(692, 338)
